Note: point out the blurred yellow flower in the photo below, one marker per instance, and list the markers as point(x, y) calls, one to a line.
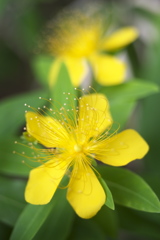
point(79, 41)
point(73, 138)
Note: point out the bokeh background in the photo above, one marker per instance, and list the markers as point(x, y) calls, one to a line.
point(22, 27)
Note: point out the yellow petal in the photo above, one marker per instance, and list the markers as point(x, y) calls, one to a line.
point(108, 70)
point(120, 38)
point(122, 148)
point(43, 182)
point(47, 130)
point(85, 193)
point(94, 114)
point(77, 69)
point(54, 72)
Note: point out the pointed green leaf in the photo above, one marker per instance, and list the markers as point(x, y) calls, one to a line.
point(13, 188)
point(52, 228)
point(13, 111)
point(11, 199)
point(32, 218)
point(129, 189)
point(132, 90)
point(110, 227)
point(139, 222)
point(123, 97)
point(121, 111)
point(86, 230)
point(109, 199)
point(13, 163)
point(10, 210)
point(63, 89)
point(30, 221)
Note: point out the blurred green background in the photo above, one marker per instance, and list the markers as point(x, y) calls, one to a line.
point(22, 25)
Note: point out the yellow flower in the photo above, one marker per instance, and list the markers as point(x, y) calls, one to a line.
point(79, 41)
point(72, 139)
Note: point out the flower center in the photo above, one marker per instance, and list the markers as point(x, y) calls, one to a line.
point(75, 36)
point(78, 148)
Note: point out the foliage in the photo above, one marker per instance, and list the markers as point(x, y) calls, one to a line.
point(131, 205)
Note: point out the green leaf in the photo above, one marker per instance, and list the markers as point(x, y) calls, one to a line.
point(41, 65)
point(11, 199)
point(150, 114)
point(52, 228)
point(110, 228)
point(12, 188)
point(129, 189)
point(10, 210)
point(63, 89)
point(11, 163)
point(123, 97)
point(121, 111)
point(109, 199)
point(129, 91)
point(13, 111)
point(32, 219)
point(86, 230)
point(139, 222)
